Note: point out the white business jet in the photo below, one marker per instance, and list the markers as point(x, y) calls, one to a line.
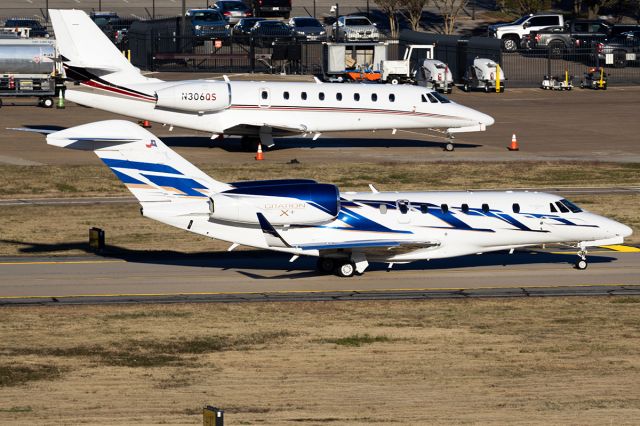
point(247, 108)
point(345, 230)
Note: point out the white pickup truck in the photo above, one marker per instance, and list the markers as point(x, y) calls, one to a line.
point(510, 34)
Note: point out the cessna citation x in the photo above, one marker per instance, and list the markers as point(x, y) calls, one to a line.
point(344, 230)
point(246, 108)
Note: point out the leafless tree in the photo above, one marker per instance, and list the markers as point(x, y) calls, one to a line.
point(450, 9)
point(412, 10)
point(391, 8)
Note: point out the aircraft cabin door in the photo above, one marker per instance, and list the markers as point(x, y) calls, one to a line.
point(403, 210)
point(264, 97)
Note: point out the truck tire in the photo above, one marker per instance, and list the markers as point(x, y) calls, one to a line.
point(510, 43)
point(46, 102)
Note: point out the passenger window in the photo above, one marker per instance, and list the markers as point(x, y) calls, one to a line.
point(516, 208)
point(303, 95)
point(374, 97)
point(465, 208)
point(285, 95)
point(265, 95)
point(403, 206)
point(444, 208)
point(356, 96)
point(392, 97)
point(485, 208)
point(339, 96)
point(432, 98)
point(321, 96)
point(424, 209)
point(562, 207)
point(383, 209)
point(553, 208)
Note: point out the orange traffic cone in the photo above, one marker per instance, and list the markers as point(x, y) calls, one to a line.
point(514, 144)
point(259, 154)
point(145, 123)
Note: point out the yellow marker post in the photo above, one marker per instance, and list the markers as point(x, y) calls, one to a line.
point(601, 82)
point(566, 77)
point(129, 55)
point(497, 78)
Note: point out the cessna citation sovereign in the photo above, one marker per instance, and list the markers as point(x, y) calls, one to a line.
point(344, 230)
point(251, 109)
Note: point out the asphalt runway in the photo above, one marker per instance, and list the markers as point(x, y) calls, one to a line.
point(264, 276)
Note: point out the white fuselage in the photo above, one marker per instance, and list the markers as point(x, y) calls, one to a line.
point(292, 107)
point(433, 224)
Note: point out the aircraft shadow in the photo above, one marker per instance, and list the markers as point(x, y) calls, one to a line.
point(249, 262)
point(233, 144)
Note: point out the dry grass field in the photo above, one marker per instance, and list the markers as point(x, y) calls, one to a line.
point(516, 361)
point(63, 230)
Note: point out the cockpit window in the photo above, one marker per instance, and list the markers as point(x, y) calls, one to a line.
point(571, 206)
point(553, 208)
point(428, 97)
point(562, 207)
point(443, 99)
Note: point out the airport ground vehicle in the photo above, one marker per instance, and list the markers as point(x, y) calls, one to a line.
point(308, 29)
point(483, 74)
point(557, 83)
point(30, 27)
point(208, 23)
point(437, 75)
point(406, 70)
point(233, 10)
point(594, 78)
point(512, 33)
point(271, 8)
point(344, 230)
point(354, 28)
point(28, 69)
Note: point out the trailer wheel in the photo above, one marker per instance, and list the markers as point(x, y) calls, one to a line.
point(0, 103)
point(487, 89)
point(394, 81)
point(465, 87)
point(46, 102)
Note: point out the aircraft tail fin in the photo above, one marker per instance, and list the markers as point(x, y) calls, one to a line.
point(151, 170)
point(86, 51)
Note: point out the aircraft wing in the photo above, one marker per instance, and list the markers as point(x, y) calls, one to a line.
point(274, 239)
point(275, 129)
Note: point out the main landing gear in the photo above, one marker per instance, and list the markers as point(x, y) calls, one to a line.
point(343, 267)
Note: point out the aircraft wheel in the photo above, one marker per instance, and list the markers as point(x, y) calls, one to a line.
point(448, 147)
point(346, 270)
point(326, 265)
point(46, 102)
point(581, 264)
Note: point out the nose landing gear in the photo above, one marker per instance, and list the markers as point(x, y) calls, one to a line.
point(581, 264)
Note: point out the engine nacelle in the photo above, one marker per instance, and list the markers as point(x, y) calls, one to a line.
point(299, 204)
point(195, 97)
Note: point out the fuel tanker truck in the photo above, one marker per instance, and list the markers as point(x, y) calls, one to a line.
point(28, 67)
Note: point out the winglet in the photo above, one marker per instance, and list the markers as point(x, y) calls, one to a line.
point(272, 236)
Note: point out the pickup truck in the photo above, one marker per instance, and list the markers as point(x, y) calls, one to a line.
point(512, 33)
point(263, 8)
point(567, 38)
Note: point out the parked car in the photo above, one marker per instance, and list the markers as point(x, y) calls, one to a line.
point(512, 33)
point(307, 28)
point(623, 48)
point(573, 35)
point(355, 28)
point(267, 32)
point(271, 8)
point(233, 10)
point(35, 27)
point(208, 23)
point(244, 25)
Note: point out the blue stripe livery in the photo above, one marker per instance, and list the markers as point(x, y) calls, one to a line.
point(185, 185)
point(137, 165)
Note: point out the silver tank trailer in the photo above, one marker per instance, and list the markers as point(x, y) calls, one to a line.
point(19, 58)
